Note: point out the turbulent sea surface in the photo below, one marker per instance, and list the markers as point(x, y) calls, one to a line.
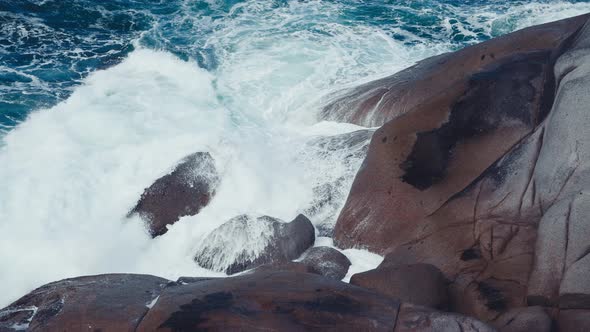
point(100, 98)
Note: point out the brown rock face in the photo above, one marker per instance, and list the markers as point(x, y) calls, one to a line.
point(326, 261)
point(112, 302)
point(574, 320)
point(420, 284)
point(439, 78)
point(183, 192)
point(245, 242)
point(265, 300)
point(275, 301)
point(489, 180)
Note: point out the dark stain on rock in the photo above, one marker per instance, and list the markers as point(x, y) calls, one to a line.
point(192, 314)
point(48, 311)
point(483, 56)
point(384, 139)
point(470, 254)
point(498, 97)
point(333, 303)
point(494, 298)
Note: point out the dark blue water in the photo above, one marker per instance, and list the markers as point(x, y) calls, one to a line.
point(47, 47)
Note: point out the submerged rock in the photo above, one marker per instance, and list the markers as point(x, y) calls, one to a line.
point(245, 242)
point(420, 284)
point(109, 302)
point(326, 261)
point(183, 192)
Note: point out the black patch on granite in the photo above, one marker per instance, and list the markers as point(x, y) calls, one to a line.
point(471, 254)
point(192, 314)
point(495, 300)
point(497, 97)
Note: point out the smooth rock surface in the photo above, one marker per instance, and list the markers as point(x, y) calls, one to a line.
point(488, 182)
point(420, 284)
point(263, 300)
point(430, 80)
point(326, 261)
point(110, 302)
point(574, 320)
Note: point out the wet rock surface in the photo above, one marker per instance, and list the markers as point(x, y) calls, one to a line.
point(110, 302)
point(420, 284)
point(245, 242)
point(326, 261)
point(435, 79)
point(183, 192)
point(259, 301)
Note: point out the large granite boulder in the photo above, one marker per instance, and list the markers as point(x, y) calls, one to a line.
point(183, 192)
point(111, 302)
point(439, 80)
point(260, 301)
point(245, 242)
point(326, 261)
point(489, 182)
point(420, 284)
point(286, 301)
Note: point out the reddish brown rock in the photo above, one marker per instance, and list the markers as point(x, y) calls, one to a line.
point(271, 301)
point(183, 192)
point(245, 242)
point(264, 300)
point(326, 261)
point(574, 320)
point(489, 185)
point(421, 284)
point(438, 79)
point(284, 266)
point(111, 302)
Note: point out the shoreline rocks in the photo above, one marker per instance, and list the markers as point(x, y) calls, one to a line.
point(265, 300)
point(487, 176)
point(419, 284)
point(326, 261)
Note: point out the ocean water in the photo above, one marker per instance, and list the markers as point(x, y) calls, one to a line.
point(100, 98)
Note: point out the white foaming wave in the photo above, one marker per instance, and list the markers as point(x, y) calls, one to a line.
point(71, 173)
point(284, 67)
point(520, 15)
